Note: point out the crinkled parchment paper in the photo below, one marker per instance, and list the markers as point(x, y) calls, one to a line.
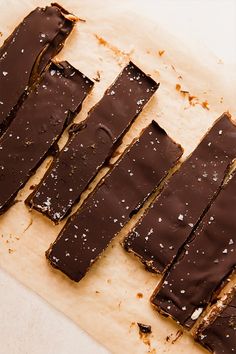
point(105, 303)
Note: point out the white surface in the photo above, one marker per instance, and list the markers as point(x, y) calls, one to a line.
point(27, 323)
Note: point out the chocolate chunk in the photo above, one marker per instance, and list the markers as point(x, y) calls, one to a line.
point(38, 125)
point(89, 231)
point(144, 329)
point(91, 144)
point(204, 263)
point(25, 54)
point(169, 221)
point(220, 335)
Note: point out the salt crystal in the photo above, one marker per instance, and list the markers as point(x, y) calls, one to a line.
point(196, 313)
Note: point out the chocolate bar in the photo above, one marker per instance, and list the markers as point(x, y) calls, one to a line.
point(204, 264)
point(39, 122)
point(169, 221)
point(122, 192)
point(25, 54)
point(92, 143)
point(220, 334)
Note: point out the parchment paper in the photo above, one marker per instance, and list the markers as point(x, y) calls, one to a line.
point(105, 303)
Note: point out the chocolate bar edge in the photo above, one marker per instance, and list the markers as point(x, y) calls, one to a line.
point(213, 315)
point(215, 311)
point(149, 264)
point(35, 77)
point(61, 66)
point(47, 253)
point(190, 323)
point(106, 162)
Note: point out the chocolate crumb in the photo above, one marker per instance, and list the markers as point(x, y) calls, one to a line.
point(139, 295)
point(106, 44)
point(205, 105)
point(168, 338)
point(184, 92)
point(191, 98)
point(179, 333)
point(178, 87)
point(144, 329)
point(161, 52)
point(152, 351)
point(97, 78)
point(81, 19)
point(28, 226)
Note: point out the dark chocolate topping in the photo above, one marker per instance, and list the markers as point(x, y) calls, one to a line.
point(205, 262)
point(93, 143)
point(220, 336)
point(38, 125)
point(89, 231)
point(25, 54)
point(169, 221)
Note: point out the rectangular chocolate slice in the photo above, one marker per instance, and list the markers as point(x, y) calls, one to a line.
point(122, 192)
point(27, 51)
point(220, 335)
point(169, 221)
point(38, 125)
point(91, 145)
point(204, 263)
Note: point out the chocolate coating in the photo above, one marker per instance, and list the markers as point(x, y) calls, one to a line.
point(220, 336)
point(89, 231)
point(38, 125)
point(169, 221)
point(205, 262)
point(25, 54)
point(91, 144)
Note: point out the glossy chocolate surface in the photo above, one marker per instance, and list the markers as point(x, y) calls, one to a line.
point(136, 174)
point(205, 262)
point(168, 223)
point(38, 125)
point(220, 336)
point(92, 144)
point(25, 54)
